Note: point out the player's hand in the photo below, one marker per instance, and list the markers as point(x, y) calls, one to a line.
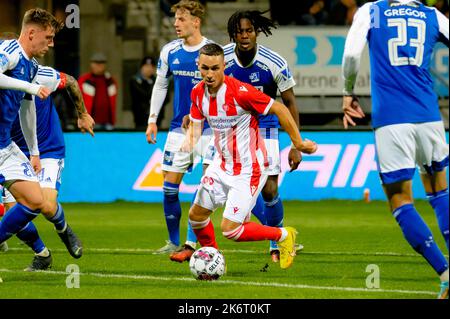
point(295, 157)
point(35, 161)
point(86, 123)
point(186, 121)
point(151, 132)
point(43, 93)
point(308, 147)
point(352, 109)
point(186, 147)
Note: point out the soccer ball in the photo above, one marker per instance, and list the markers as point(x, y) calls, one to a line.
point(207, 263)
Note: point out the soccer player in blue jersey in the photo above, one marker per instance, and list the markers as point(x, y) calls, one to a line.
point(253, 63)
point(408, 128)
point(47, 152)
point(17, 69)
point(178, 59)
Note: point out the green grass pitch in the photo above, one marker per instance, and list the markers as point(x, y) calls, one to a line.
point(341, 239)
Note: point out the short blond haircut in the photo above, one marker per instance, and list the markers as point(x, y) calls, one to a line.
point(195, 8)
point(42, 18)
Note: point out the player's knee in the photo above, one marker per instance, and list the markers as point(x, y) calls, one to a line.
point(34, 201)
point(270, 190)
point(232, 233)
point(231, 230)
point(49, 208)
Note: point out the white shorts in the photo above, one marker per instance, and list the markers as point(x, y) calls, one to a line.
point(14, 165)
point(49, 176)
point(402, 147)
point(272, 144)
point(180, 162)
point(237, 193)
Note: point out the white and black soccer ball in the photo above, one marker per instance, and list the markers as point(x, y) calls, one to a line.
point(207, 263)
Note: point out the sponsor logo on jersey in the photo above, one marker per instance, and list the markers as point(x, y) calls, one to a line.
point(243, 89)
point(235, 209)
point(176, 61)
point(193, 74)
point(254, 77)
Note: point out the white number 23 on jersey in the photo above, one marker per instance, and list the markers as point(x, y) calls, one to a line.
point(402, 40)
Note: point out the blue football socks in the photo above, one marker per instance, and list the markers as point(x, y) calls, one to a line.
point(16, 219)
point(439, 202)
point(30, 236)
point(274, 215)
point(58, 219)
point(172, 211)
point(258, 210)
point(419, 236)
point(190, 236)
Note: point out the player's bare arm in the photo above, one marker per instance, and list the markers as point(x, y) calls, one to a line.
point(192, 136)
point(288, 97)
point(288, 124)
point(85, 121)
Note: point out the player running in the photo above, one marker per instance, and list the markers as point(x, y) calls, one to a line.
point(409, 131)
point(17, 69)
point(236, 176)
point(47, 154)
point(267, 71)
point(178, 59)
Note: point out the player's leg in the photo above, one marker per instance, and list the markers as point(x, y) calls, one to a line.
point(205, 148)
point(30, 202)
point(433, 162)
point(50, 181)
point(437, 193)
point(235, 226)
point(174, 165)
point(398, 148)
point(415, 230)
point(4, 245)
point(57, 217)
point(172, 210)
point(30, 236)
point(273, 211)
point(199, 218)
point(432, 158)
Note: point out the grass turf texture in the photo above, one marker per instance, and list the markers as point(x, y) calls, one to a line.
point(341, 239)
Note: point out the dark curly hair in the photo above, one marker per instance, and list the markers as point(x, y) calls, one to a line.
point(259, 22)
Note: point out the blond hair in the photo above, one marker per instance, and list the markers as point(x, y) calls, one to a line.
point(42, 18)
point(195, 8)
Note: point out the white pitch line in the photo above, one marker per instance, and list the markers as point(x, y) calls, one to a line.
point(302, 252)
point(235, 282)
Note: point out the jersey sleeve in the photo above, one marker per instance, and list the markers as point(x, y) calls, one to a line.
point(443, 27)
point(251, 99)
point(196, 113)
point(9, 55)
point(354, 46)
point(283, 77)
point(49, 78)
point(163, 62)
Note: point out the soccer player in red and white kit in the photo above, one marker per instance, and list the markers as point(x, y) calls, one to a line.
point(236, 176)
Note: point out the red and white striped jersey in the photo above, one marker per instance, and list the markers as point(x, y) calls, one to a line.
point(233, 116)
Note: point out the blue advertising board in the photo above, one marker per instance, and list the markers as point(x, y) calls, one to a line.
point(122, 166)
